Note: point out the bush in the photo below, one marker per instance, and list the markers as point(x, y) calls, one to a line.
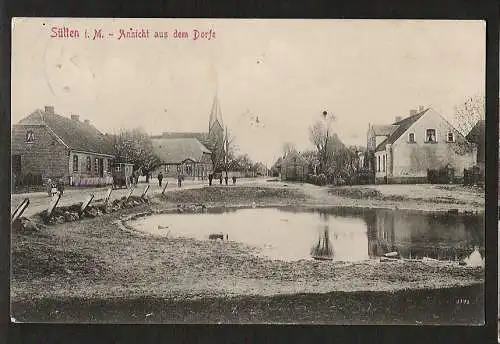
point(443, 175)
point(321, 179)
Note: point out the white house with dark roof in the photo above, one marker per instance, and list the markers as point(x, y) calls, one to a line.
point(405, 150)
point(186, 157)
point(47, 145)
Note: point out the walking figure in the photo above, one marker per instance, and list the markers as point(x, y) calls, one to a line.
point(60, 186)
point(234, 180)
point(49, 187)
point(160, 178)
point(210, 177)
point(179, 181)
point(220, 179)
point(226, 178)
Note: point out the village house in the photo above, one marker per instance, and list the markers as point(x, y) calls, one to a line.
point(47, 145)
point(404, 151)
point(294, 167)
point(477, 135)
point(192, 154)
point(186, 157)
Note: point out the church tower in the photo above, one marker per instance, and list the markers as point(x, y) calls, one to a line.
point(216, 135)
point(215, 123)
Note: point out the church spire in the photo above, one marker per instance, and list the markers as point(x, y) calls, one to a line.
point(215, 113)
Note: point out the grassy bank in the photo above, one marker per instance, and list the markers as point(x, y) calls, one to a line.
point(92, 261)
point(403, 307)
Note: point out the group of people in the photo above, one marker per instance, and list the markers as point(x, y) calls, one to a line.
point(226, 178)
point(54, 187)
point(210, 179)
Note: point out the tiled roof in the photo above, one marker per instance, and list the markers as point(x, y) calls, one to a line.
point(384, 130)
point(402, 127)
point(76, 135)
point(477, 133)
point(175, 151)
point(202, 137)
point(296, 157)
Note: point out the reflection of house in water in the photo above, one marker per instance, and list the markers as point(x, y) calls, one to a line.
point(417, 235)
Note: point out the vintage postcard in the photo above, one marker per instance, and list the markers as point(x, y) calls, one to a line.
point(248, 171)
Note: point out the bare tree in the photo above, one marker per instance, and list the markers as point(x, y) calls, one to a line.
point(320, 134)
point(228, 150)
point(469, 113)
point(135, 146)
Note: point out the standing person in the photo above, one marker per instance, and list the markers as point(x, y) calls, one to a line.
point(179, 180)
point(210, 177)
point(226, 178)
point(160, 178)
point(220, 179)
point(234, 180)
point(49, 187)
point(60, 186)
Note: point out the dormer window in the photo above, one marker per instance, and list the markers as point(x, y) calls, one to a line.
point(430, 135)
point(30, 136)
point(450, 137)
point(411, 137)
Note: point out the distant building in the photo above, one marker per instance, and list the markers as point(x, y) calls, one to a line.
point(47, 145)
point(294, 167)
point(404, 151)
point(212, 144)
point(477, 135)
point(186, 157)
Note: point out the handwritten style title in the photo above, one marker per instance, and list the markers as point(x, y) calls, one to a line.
point(63, 32)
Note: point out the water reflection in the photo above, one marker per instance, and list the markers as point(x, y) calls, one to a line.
point(351, 234)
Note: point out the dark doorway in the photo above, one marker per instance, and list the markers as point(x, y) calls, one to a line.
point(101, 167)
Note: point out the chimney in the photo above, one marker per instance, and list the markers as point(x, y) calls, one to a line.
point(413, 112)
point(75, 117)
point(397, 119)
point(49, 110)
point(86, 121)
point(420, 108)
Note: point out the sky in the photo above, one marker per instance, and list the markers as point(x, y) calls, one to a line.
point(285, 72)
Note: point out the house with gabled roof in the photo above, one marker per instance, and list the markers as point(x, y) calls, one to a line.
point(184, 156)
point(294, 167)
point(477, 135)
point(211, 140)
point(405, 150)
point(47, 145)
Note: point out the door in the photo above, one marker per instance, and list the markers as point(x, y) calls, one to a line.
point(101, 167)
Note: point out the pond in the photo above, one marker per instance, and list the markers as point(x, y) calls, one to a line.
point(352, 234)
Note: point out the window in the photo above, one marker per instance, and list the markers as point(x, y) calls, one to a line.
point(430, 135)
point(378, 165)
point(75, 163)
point(450, 137)
point(117, 168)
point(384, 165)
point(30, 136)
point(96, 165)
point(189, 169)
point(411, 137)
point(89, 164)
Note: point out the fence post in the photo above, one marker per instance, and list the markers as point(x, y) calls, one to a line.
point(129, 194)
point(164, 188)
point(86, 203)
point(53, 204)
point(145, 191)
point(107, 196)
point(19, 210)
